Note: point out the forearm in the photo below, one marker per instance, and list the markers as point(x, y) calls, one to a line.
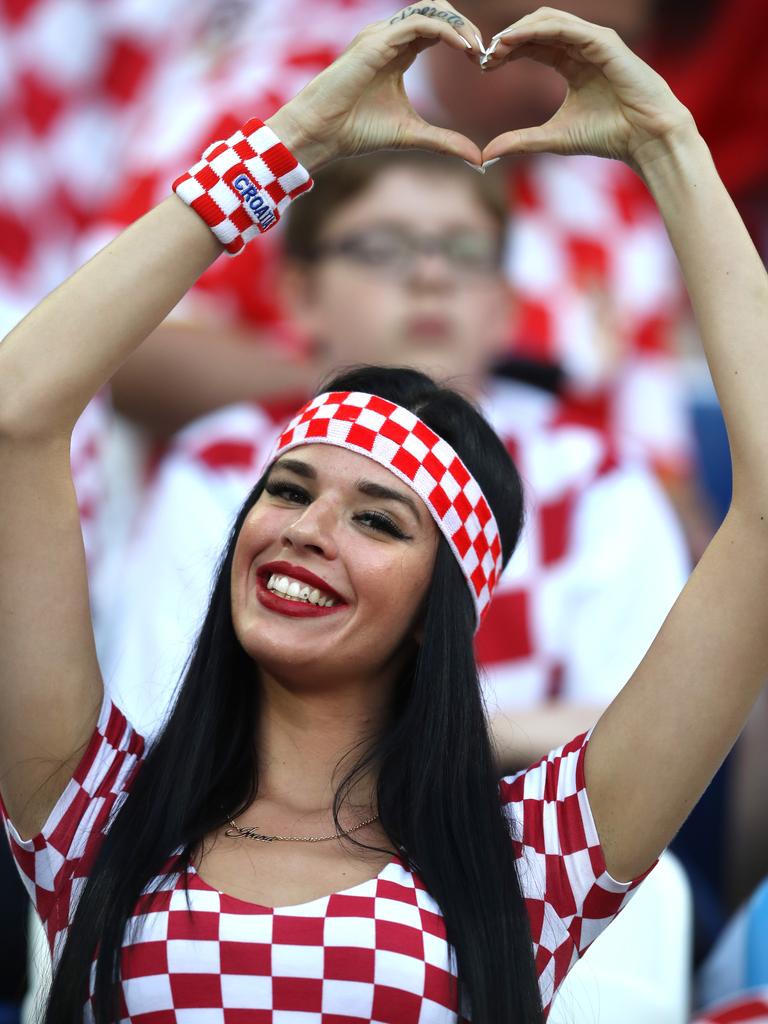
point(186, 370)
point(728, 287)
point(523, 737)
point(59, 356)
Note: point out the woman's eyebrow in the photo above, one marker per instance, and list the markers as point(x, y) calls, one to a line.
point(374, 490)
point(296, 466)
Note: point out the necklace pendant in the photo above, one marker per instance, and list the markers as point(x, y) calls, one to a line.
point(236, 832)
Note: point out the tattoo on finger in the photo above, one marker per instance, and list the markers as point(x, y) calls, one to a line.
point(450, 17)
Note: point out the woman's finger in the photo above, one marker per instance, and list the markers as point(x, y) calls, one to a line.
point(419, 134)
point(557, 31)
point(541, 139)
point(447, 15)
point(562, 60)
point(419, 28)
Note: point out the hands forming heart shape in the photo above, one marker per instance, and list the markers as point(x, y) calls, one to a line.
point(616, 105)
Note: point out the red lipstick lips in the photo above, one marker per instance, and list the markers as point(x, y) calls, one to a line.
point(294, 609)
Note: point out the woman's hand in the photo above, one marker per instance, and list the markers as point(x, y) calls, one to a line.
point(616, 105)
point(359, 104)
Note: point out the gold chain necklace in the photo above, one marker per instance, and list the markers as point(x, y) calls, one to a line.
point(252, 833)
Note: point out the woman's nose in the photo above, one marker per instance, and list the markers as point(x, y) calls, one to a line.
point(313, 529)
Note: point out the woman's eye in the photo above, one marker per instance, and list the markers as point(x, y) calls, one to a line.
point(289, 492)
point(378, 521)
point(298, 496)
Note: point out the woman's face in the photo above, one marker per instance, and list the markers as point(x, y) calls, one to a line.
point(357, 547)
point(447, 317)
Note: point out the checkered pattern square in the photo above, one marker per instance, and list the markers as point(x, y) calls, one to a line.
point(242, 185)
point(398, 440)
point(376, 952)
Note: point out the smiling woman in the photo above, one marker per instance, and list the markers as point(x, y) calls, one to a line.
point(392, 498)
point(349, 533)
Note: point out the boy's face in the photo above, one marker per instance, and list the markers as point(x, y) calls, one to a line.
point(410, 275)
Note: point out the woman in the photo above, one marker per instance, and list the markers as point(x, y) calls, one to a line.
point(279, 693)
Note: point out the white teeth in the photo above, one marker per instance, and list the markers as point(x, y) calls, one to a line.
point(293, 590)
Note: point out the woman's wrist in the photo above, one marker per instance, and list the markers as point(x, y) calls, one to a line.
point(675, 152)
point(311, 154)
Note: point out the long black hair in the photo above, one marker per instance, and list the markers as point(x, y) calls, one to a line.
point(437, 787)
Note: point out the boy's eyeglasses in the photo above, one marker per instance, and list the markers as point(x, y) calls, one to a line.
point(396, 251)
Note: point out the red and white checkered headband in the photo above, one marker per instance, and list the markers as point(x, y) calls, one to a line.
point(398, 440)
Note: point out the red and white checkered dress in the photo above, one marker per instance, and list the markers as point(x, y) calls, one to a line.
point(374, 952)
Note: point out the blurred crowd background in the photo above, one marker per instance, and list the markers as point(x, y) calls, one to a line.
point(567, 320)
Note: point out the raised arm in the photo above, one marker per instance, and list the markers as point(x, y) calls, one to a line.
point(660, 742)
point(50, 366)
point(75, 340)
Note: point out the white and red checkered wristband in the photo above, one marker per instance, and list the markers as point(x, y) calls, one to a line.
point(243, 184)
point(398, 440)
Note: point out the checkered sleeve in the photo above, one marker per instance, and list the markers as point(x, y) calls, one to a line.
point(568, 891)
point(54, 864)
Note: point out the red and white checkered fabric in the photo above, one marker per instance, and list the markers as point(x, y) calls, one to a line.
point(749, 1007)
point(397, 439)
point(243, 184)
point(376, 952)
point(599, 564)
point(598, 290)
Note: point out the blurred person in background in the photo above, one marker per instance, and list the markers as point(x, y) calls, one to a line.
point(598, 291)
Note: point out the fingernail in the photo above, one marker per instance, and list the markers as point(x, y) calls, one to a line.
point(479, 42)
point(494, 43)
point(490, 163)
point(480, 170)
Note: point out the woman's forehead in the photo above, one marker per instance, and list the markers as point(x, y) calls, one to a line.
point(409, 196)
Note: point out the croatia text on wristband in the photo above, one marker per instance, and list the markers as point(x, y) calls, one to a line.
point(243, 184)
